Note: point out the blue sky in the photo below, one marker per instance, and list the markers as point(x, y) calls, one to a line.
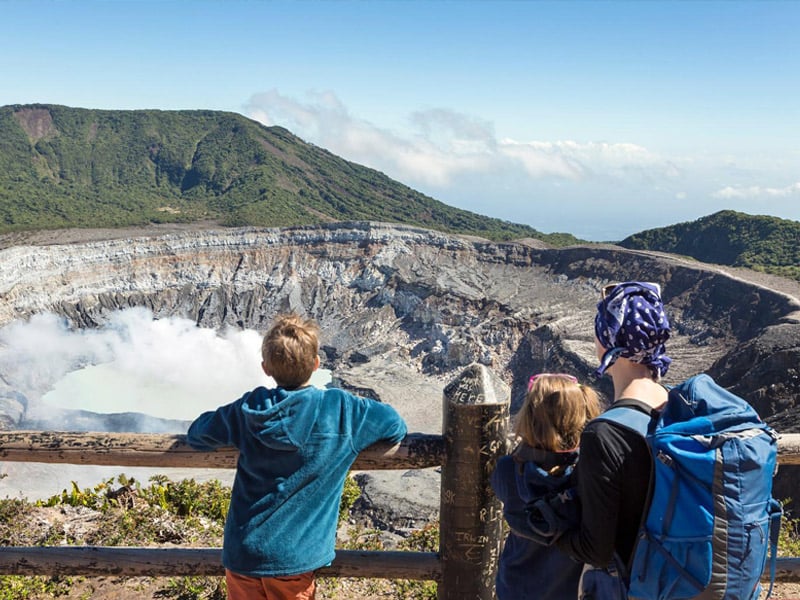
point(596, 118)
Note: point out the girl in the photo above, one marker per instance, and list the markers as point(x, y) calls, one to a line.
point(533, 483)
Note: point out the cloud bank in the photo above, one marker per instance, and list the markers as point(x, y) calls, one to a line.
point(596, 190)
point(441, 145)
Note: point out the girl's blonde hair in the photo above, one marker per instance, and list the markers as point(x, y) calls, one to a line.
point(290, 349)
point(555, 412)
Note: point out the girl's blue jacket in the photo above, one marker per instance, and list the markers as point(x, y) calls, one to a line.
point(295, 450)
point(530, 566)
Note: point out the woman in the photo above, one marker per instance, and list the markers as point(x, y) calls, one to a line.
point(613, 477)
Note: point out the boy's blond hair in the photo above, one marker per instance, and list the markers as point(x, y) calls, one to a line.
point(555, 412)
point(290, 350)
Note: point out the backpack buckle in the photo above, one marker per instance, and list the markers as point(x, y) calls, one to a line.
point(665, 458)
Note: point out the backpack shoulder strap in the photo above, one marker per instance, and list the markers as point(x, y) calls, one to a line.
point(631, 414)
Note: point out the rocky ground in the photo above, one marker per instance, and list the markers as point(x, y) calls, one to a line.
point(405, 310)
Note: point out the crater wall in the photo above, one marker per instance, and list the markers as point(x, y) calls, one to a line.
point(401, 306)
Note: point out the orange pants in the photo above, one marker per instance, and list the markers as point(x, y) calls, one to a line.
point(288, 587)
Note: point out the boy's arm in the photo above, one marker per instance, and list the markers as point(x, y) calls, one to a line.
point(376, 422)
point(214, 429)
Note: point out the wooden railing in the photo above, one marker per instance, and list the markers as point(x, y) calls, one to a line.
point(476, 411)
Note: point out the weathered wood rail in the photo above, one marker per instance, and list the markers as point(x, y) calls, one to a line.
point(475, 430)
point(417, 451)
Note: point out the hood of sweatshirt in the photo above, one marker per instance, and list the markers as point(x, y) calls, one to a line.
point(282, 419)
point(539, 472)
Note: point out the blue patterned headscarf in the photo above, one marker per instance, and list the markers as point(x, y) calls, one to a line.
point(631, 323)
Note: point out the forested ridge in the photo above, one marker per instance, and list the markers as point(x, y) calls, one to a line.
point(763, 243)
point(63, 167)
point(71, 167)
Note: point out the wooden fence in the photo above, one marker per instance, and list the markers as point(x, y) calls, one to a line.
point(475, 433)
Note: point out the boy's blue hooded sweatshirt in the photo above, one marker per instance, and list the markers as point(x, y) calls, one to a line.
point(295, 450)
point(530, 569)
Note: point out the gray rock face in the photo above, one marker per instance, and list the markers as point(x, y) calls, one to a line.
point(403, 310)
point(399, 304)
point(397, 502)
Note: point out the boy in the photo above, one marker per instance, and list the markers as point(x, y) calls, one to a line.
point(296, 445)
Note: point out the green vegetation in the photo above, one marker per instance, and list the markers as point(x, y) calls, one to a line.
point(421, 540)
point(123, 512)
point(193, 513)
point(762, 243)
point(70, 167)
point(17, 587)
point(789, 542)
point(184, 512)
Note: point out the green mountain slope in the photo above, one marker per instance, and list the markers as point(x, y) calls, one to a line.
point(71, 167)
point(762, 243)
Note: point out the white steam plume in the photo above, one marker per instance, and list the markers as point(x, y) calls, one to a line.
point(167, 368)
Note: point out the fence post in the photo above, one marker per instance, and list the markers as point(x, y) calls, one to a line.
point(476, 409)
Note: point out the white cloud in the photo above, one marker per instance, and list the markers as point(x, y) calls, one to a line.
point(540, 159)
point(442, 145)
point(456, 127)
point(755, 191)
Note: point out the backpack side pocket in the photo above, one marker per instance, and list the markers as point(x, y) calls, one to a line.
point(602, 583)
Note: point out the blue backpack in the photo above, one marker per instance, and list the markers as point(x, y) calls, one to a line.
point(711, 518)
